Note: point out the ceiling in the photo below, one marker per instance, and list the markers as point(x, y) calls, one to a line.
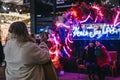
point(17, 2)
point(20, 6)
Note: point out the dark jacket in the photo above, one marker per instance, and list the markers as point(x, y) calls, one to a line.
point(1, 53)
point(102, 56)
point(89, 55)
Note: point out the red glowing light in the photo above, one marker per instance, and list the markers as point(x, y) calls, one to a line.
point(76, 12)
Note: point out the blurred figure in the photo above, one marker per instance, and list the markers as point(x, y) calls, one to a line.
point(50, 73)
point(1, 54)
point(7, 38)
point(103, 60)
point(37, 39)
point(90, 59)
point(44, 37)
point(24, 58)
point(32, 35)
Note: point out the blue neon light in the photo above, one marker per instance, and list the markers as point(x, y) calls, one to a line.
point(95, 31)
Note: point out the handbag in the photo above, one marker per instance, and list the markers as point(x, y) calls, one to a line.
point(49, 71)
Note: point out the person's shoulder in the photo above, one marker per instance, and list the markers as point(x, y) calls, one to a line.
point(30, 46)
point(43, 44)
point(10, 41)
point(29, 43)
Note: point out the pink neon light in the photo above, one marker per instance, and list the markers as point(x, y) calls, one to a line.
point(100, 13)
point(58, 24)
point(117, 24)
point(69, 39)
point(96, 7)
point(62, 25)
point(66, 40)
point(67, 44)
point(85, 19)
point(69, 48)
point(116, 18)
point(66, 51)
point(68, 27)
point(96, 19)
point(98, 10)
point(56, 42)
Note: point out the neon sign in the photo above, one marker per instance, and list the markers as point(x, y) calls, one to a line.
point(95, 31)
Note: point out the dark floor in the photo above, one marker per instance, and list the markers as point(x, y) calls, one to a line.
point(2, 75)
point(65, 76)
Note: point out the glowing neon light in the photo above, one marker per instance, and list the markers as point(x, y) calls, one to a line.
point(56, 42)
point(99, 12)
point(69, 48)
point(66, 39)
point(96, 7)
point(117, 24)
point(98, 33)
point(85, 19)
point(70, 41)
point(62, 25)
point(77, 28)
point(96, 19)
point(74, 13)
point(66, 51)
point(116, 18)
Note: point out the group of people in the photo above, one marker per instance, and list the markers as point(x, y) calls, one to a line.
point(97, 60)
point(25, 60)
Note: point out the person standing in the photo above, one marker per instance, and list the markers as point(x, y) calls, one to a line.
point(24, 58)
point(103, 60)
point(90, 59)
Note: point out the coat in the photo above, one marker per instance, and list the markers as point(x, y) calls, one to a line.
point(25, 62)
point(103, 57)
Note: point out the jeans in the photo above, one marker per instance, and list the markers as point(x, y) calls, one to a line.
point(91, 69)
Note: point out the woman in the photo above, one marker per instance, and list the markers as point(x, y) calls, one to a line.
point(23, 57)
